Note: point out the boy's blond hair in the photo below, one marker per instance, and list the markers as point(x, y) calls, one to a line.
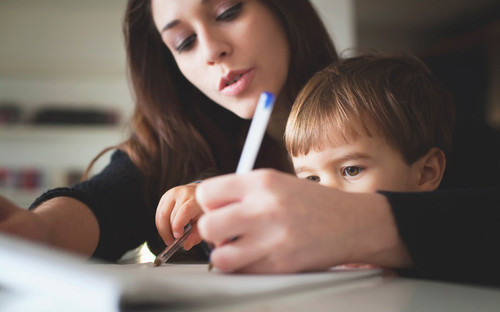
point(395, 97)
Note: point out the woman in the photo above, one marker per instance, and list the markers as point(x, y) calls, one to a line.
point(197, 69)
point(283, 224)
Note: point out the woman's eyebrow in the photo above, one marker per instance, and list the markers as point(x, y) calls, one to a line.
point(170, 25)
point(175, 22)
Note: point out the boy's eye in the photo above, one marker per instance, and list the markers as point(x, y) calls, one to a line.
point(186, 44)
point(230, 13)
point(352, 171)
point(313, 178)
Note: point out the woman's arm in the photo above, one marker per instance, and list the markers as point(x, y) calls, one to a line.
point(116, 197)
point(284, 224)
point(102, 217)
point(61, 222)
point(71, 224)
point(451, 234)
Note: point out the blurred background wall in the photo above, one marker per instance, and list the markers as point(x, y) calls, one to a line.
point(459, 40)
point(63, 91)
point(63, 57)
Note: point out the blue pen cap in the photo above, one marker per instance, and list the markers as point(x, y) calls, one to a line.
point(268, 99)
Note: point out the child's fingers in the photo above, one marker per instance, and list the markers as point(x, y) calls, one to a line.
point(173, 215)
point(193, 239)
point(182, 194)
point(188, 212)
point(162, 219)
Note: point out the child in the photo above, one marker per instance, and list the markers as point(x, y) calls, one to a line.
point(364, 124)
point(372, 123)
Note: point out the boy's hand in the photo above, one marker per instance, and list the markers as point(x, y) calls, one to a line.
point(176, 209)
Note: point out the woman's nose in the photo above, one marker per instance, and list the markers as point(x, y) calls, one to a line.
point(215, 46)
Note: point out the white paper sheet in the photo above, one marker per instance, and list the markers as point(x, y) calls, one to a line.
point(29, 269)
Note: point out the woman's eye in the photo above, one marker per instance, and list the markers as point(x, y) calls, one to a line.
point(352, 171)
point(186, 44)
point(230, 13)
point(313, 178)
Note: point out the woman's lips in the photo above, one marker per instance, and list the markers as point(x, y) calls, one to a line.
point(231, 85)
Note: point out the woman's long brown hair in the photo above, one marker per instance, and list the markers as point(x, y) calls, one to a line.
point(177, 132)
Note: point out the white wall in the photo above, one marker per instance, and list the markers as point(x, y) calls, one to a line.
point(63, 51)
point(71, 51)
point(339, 17)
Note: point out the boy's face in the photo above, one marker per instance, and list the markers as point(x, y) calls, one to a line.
point(365, 164)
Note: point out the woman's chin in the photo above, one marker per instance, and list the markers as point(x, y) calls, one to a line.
point(245, 113)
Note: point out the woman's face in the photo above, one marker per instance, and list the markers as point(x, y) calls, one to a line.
point(231, 50)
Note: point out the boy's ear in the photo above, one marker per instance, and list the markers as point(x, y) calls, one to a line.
point(431, 169)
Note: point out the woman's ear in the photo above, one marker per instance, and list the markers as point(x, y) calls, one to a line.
point(431, 169)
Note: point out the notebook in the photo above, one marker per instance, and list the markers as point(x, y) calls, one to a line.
point(34, 275)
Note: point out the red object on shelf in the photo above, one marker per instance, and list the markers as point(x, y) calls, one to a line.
point(28, 179)
point(4, 177)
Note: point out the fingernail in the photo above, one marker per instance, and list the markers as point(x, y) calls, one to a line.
point(177, 234)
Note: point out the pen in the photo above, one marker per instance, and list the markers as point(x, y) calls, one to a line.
point(255, 135)
point(171, 249)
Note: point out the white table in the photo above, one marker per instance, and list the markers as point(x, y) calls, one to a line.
point(37, 278)
point(384, 294)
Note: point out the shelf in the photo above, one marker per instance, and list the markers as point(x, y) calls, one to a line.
point(51, 133)
point(53, 152)
point(55, 146)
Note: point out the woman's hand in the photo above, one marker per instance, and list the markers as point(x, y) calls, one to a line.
point(284, 224)
point(20, 222)
point(176, 209)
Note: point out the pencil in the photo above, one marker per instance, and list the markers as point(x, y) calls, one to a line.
point(254, 137)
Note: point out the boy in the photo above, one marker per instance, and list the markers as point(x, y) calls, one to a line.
point(372, 123)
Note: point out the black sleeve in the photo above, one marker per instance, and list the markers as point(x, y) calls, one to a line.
point(117, 198)
point(454, 233)
point(451, 235)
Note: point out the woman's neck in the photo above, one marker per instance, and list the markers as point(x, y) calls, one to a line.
point(277, 123)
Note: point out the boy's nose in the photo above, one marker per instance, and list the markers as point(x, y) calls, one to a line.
point(329, 183)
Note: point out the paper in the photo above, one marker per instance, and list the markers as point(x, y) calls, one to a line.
point(26, 268)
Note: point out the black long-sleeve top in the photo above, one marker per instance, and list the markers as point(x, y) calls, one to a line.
point(126, 214)
point(451, 234)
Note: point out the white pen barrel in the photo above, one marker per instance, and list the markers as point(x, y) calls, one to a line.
point(256, 133)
